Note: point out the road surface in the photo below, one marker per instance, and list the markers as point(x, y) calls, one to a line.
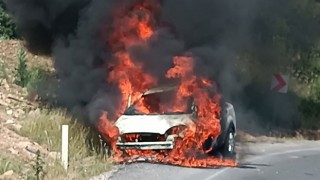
point(258, 161)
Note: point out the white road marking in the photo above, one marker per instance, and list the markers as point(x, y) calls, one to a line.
point(294, 157)
point(217, 174)
point(284, 152)
point(261, 157)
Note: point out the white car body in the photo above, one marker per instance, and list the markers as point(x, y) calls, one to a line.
point(158, 125)
point(150, 124)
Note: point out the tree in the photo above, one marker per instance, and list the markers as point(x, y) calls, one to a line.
point(7, 26)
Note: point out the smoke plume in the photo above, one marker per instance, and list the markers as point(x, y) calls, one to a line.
point(73, 33)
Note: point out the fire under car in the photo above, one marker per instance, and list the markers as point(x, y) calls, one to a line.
point(153, 131)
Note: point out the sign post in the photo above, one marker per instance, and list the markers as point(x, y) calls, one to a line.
point(279, 84)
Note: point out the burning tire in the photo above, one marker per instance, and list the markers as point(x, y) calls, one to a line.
point(228, 148)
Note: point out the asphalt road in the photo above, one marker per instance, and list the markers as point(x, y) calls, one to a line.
point(258, 161)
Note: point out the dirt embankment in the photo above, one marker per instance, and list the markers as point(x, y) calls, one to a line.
point(26, 125)
point(14, 106)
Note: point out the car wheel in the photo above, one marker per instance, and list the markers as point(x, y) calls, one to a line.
point(229, 144)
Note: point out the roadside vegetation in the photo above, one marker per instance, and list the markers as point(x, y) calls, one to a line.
point(29, 77)
point(44, 127)
point(7, 28)
point(3, 72)
point(8, 162)
point(24, 76)
point(285, 39)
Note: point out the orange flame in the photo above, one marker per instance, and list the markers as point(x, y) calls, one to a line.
point(144, 30)
point(131, 80)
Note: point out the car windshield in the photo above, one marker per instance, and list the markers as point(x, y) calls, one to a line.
point(160, 103)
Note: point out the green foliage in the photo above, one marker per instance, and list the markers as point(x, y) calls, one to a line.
point(28, 77)
point(310, 114)
point(36, 76)
point(3, 71)
point(286, 38)
point(22, 73)
point(293, 21)
point(8, 163)
point(38, 167)
point(7, 26)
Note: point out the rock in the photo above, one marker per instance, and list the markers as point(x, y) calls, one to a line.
point(5, 84)
point(20, 111)
point(35, 112)
point(10, 121)
point(9, 112)
point(8, 173)
point(7, 100)
point(13, 151)
point(16, 127)
point(15, 115)
point(54, 155)
point(23, 144)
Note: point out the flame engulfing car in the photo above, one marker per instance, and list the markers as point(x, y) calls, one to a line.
point(158, 129)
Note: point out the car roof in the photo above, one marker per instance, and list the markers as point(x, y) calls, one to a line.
point(164, 88)
point(160, 89)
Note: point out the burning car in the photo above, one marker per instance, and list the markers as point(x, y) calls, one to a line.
point(156, 125)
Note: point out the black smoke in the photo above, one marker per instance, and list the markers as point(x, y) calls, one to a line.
point(72, 32)
point(42, 22)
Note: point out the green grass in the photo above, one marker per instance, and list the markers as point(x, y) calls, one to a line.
point(45, 128)
point(91, 166)
point(8, 163)
point(35, 77)
point(3, 71)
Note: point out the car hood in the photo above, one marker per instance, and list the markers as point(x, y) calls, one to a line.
point(151, 123)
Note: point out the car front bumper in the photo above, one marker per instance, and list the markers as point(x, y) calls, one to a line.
point(159, 145)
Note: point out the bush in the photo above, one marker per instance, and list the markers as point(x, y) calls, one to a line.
point(28, 77)
point(22, 74)
point(7, 26)
point(35, 77)
point(309, 110)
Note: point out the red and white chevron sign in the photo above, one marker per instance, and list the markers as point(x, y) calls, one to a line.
point(279, 83)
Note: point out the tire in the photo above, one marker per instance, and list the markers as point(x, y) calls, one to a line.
point(228, 148)
point(207, 145)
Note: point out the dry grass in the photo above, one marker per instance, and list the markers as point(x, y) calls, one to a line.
point(45, 128)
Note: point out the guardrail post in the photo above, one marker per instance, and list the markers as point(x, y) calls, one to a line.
point(64, 147)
